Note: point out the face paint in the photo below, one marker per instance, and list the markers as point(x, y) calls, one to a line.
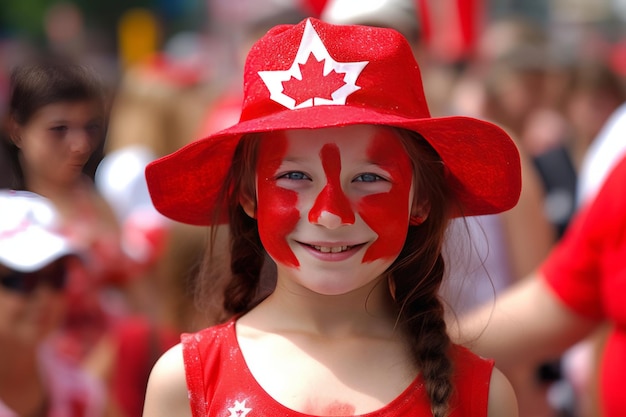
point(383, 204)
point(277, 214)
point(332, 199)
point(388, 213)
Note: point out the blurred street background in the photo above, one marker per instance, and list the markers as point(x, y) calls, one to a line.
point(551, 72)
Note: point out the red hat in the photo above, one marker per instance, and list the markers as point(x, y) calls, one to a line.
point(315, 75)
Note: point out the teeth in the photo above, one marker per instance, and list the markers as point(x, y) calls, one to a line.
point(326, 249)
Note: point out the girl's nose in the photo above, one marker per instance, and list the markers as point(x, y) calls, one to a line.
point(331, 208)
point(329, 220)
point(81, 142)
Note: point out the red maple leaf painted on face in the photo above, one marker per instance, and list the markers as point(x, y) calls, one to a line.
point(314, 83)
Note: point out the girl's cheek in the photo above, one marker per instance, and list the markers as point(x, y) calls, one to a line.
point(277, 212)
point(387, 214)
point(277, 217)
point(380, 213)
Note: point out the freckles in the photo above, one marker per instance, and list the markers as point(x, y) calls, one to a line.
point(277, 212)
point(387, 214)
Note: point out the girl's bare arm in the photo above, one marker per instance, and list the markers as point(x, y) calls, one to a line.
point(167, 395)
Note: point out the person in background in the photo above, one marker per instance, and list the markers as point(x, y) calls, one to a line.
point(54, 133)
point(35, 263)
point(576, 290)
point(338, 177)
point(593, 106)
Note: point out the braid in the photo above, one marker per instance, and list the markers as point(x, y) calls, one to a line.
point(422, 319)
point(432, 350)
point(417, 274)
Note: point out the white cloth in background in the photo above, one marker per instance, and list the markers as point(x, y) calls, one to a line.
point(477, 262)
point(602, 155)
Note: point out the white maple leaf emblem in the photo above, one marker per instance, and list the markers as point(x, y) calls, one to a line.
point(311, 44)
point(239, 410)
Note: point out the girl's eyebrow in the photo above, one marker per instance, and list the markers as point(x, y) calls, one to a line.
point(293, 159)
point(66, 121)
point(381, 163)
point(57, 122)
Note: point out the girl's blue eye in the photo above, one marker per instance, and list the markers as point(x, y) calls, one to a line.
point(369, 177)
point(295, 175)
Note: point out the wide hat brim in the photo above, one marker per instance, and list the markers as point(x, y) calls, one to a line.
point(481, 161)
point(315, 75)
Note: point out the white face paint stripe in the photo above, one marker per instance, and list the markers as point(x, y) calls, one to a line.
point(312, 44)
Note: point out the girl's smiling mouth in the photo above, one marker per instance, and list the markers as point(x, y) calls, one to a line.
point(332, 251)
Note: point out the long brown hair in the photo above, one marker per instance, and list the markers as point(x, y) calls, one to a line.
point(416, 273)
point(35, 84)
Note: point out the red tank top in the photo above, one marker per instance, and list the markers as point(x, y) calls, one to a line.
point(220, 384)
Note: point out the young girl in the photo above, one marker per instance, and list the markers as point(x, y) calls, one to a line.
point(337, 172)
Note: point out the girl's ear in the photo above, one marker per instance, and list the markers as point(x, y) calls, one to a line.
point(13, 130)
point(249, 206)
point(419, 213)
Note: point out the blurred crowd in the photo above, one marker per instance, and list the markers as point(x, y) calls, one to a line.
point(555, 84)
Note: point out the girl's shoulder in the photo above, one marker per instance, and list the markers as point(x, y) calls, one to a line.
point(472, 375)
point(466, 361)
point(208, 345)
point(166, 393)
point(480, 388)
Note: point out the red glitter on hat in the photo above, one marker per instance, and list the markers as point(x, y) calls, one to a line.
point(315, 75)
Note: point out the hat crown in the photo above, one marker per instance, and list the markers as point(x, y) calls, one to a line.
point(318, 64)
